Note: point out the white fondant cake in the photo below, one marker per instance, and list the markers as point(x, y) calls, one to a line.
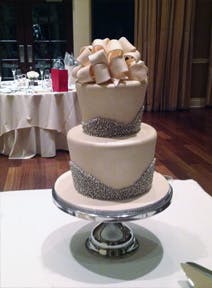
point(120, 103)
point(112, 153)
point(116, 162)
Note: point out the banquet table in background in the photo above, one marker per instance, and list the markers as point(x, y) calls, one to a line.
point(36, 122)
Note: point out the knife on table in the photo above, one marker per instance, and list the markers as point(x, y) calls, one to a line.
point(197, 275)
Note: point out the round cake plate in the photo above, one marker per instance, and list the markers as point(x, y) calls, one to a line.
point(111, 237)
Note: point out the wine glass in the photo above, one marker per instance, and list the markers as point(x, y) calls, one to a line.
point(22, 81)
point(41, 69)
point(18, 73)
point(47, 74)
point(41, 75)
point(13, 69)
point(47, 78)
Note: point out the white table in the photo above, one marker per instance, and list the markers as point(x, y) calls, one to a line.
point(41, 246)
point(36, 122)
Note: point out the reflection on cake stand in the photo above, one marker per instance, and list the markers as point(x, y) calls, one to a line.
point(111, 237)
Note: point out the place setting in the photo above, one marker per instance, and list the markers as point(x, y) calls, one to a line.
point(29, 83)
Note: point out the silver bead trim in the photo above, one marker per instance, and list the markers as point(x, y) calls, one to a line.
point(103, 127)
point(90, 186)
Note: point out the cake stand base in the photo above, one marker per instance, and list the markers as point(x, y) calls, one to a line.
point(112, 239)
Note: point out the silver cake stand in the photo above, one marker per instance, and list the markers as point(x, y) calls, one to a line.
point(111, 237)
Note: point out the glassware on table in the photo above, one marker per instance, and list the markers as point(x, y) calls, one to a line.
point(47, 79)
point(30, 86)
point(13, 69)
point(41, 75)
point(22, 81)
point(18, 73)
point(47, 74)
point(17, 76)
point(41, 69)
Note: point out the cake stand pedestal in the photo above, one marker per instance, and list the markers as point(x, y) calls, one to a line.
point(111, 237)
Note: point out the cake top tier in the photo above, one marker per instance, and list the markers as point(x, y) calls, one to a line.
point(108, 61)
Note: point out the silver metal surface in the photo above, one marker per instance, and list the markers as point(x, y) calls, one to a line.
point(201, 268)
point(113, 216)
point(198, 276)
point(112, 238)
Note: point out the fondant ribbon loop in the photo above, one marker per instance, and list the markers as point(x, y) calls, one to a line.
point(84, 74)
point(126, 45)
point(101, 73)
point(138, 71)
point(118, 67)
point(99, 44)
point(110, 60)
point(114, 49)
point(75, 70)
point(132, 57)
point(83, 57)
point(98, 57)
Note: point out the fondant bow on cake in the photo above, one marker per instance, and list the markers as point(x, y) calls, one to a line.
point(109, 60)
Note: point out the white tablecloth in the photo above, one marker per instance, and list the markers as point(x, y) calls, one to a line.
point(41, 246)
point(36, 123)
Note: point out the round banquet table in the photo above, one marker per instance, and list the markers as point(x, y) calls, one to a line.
point(36, 121)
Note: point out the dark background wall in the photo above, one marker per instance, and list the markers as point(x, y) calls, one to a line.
point(113, 19)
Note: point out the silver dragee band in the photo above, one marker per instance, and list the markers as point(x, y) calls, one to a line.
point(103, 127)
point(88, 185)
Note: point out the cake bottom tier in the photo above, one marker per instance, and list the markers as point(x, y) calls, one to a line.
point(112, 168)
point(69, 200)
